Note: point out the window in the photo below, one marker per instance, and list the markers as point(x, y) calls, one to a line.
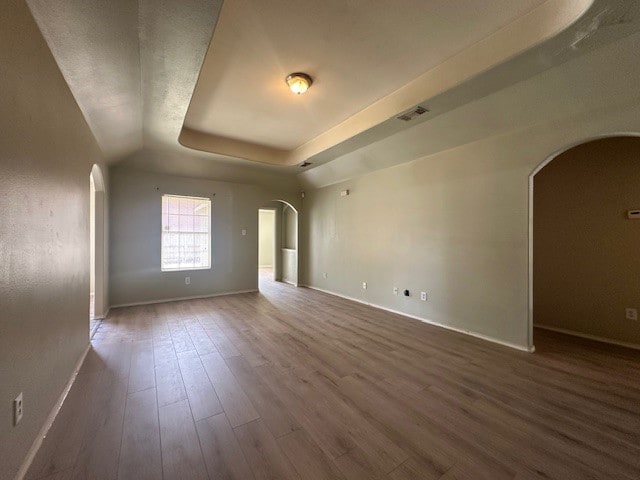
point(186, 233)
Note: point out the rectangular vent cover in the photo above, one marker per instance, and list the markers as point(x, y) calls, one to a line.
point(413, 113)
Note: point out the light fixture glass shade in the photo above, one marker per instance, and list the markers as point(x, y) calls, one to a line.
point(299, 82)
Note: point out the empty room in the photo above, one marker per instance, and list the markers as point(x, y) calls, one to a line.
point(300, 240)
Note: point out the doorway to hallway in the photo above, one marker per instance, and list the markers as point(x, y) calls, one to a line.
point(266, 244)
point(278, 243)
point(583, 242)
point(97, 249)
point(92, 255)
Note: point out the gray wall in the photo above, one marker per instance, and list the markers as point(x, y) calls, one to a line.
point(46, 153)
point(585, 259)
point(101, 242)
point(454, 224)
point(289, 251)
point(135, 225)
point(289, 228)
point(102, 231)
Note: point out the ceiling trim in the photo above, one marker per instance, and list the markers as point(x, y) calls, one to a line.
point(528, 31)
point(206, 142)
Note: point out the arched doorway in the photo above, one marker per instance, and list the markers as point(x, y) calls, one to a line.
point(97, 239)
point(583, 258)
point(278, 242)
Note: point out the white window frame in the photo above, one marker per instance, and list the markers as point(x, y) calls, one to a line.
point(209, 234)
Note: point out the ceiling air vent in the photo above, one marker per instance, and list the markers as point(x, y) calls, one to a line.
point(413, 113)
point(305, 164)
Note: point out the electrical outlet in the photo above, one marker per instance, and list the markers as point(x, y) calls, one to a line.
point(17, 409)
point(423, 296)
point(364, 285)
point(324, 275)
point(631, 313)
point(395, 290)
point(187, 280)
point(244, 231)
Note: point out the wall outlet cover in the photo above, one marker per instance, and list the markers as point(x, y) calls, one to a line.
point(187, 280)
point(395, 290)
point(631, 313)
point(364, 285)
point(17, 409)
point(423, 296)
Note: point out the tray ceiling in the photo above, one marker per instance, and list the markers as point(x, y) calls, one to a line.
point(360, 54)
point(161, 75)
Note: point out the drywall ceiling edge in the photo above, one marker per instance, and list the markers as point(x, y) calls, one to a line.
point(212, 167)
point(591, 88)
point(539, 25)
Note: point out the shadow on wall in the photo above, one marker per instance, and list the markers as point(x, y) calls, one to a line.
point(585, 259)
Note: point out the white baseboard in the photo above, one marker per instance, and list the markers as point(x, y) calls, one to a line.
point(595, 338)
point(35, 446)
point(177, 299)
point(430, 322)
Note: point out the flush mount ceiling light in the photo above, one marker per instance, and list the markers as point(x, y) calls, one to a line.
point(299, 82)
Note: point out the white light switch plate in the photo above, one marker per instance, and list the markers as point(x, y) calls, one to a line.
point(17, 409)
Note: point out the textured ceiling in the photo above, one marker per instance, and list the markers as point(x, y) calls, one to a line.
point(357, 53)
point(370, 62)
point(131, 64)
point(581, 89)
point(146, 76)
point(96, 46)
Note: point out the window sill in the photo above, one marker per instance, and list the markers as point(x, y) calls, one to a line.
point(169, 270)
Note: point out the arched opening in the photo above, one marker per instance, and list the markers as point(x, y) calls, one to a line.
point(278, 243)
point(97, 242)
point(583, 240)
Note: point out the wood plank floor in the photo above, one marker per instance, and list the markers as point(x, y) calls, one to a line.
point(295, 384)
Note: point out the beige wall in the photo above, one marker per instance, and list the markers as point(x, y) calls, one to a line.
point(135, 226)
point(46, 153)
point(266, 242)
point(585, 259)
